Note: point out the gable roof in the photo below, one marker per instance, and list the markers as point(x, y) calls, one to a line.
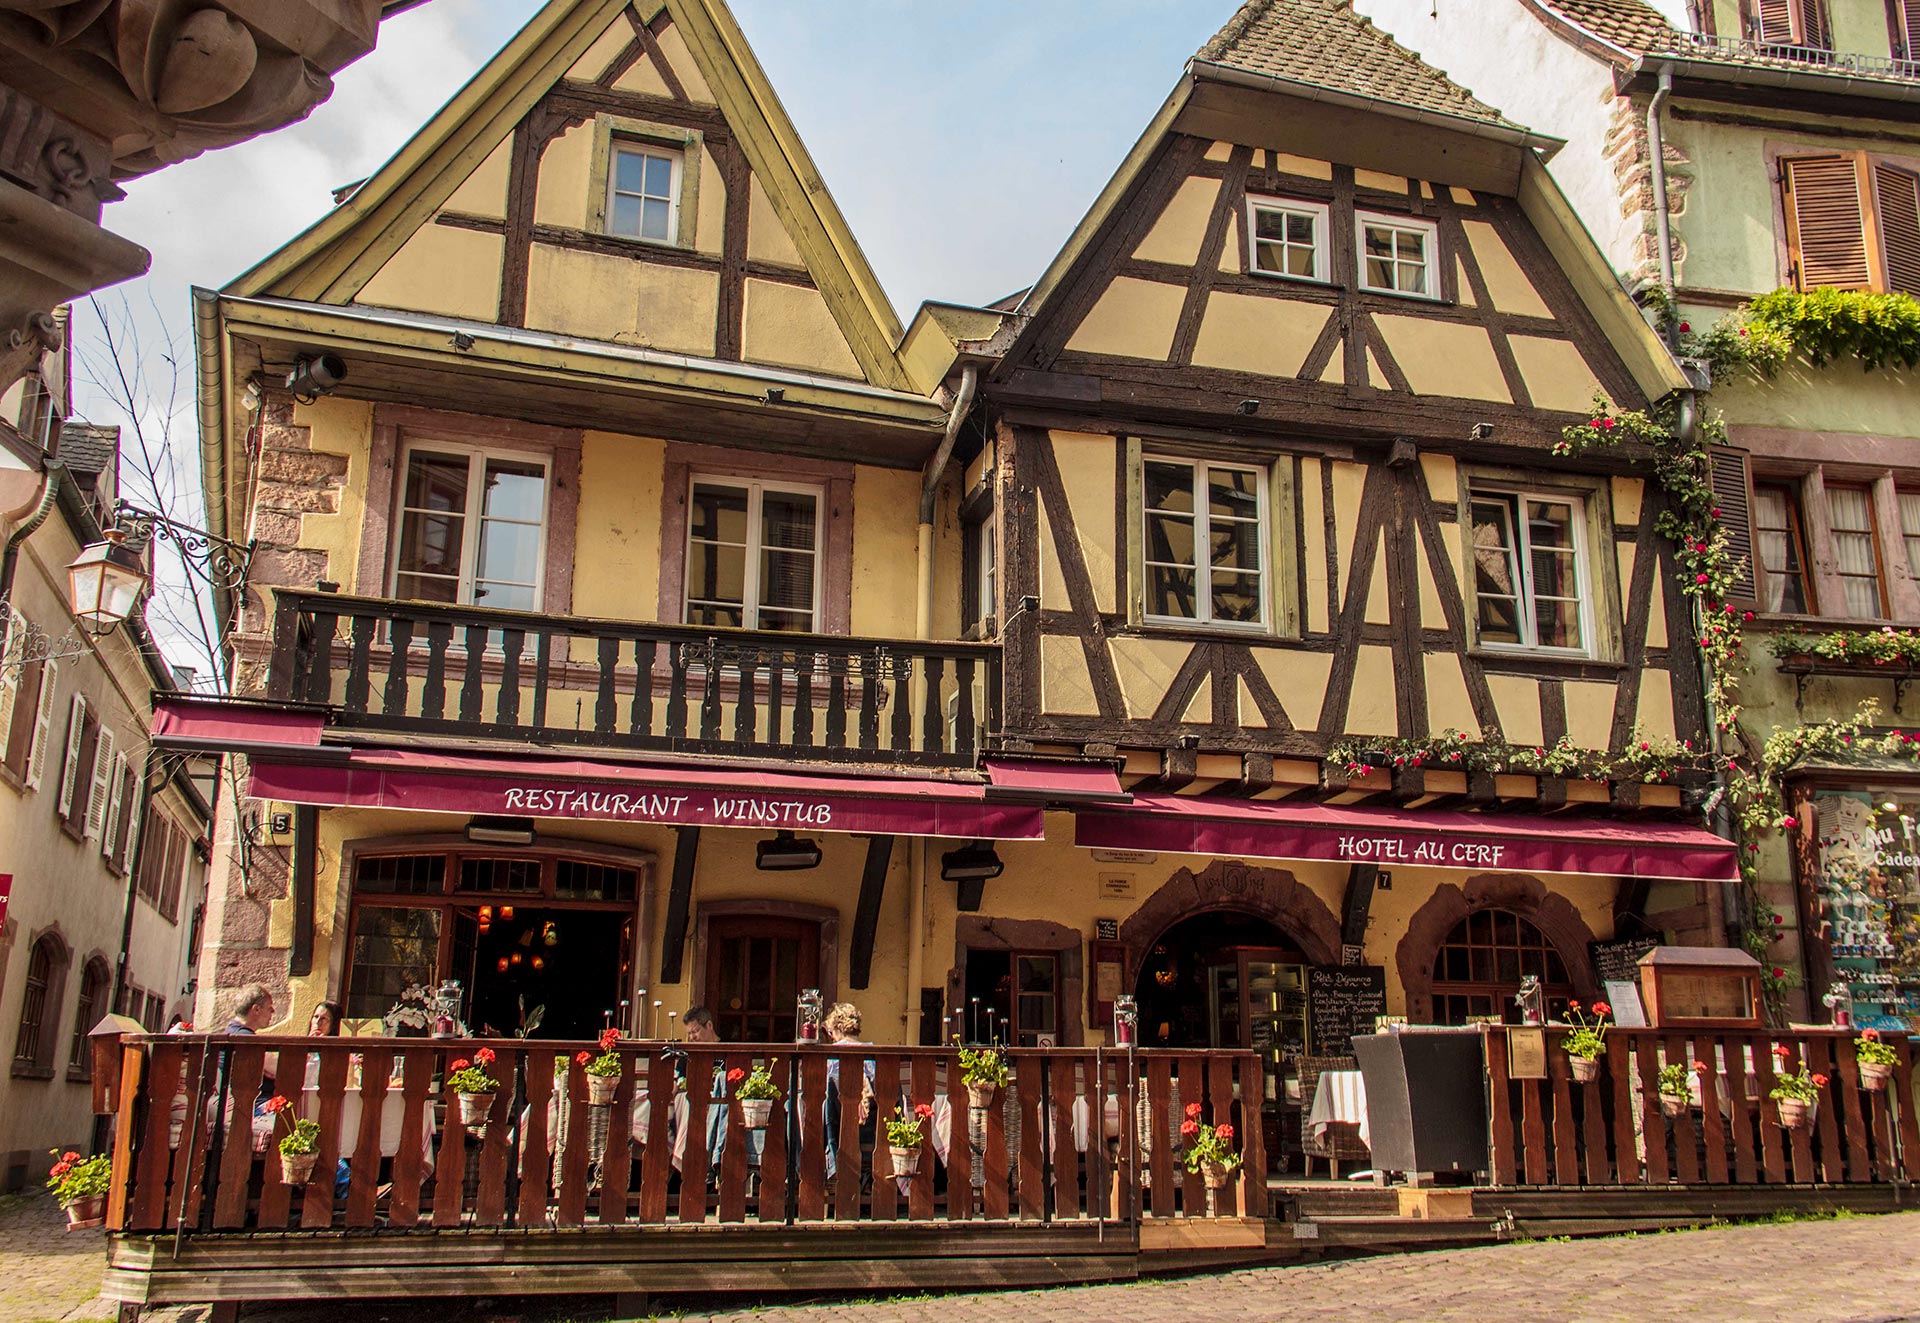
point(1630, 26)
point(333, 258)
point(1324, 44)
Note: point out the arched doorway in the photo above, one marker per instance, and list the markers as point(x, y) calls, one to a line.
point(1200, 982)
point(1553, 928)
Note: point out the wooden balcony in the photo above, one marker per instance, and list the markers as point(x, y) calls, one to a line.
point(572, 680)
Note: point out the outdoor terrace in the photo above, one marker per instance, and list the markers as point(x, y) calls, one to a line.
point(1074, 1173)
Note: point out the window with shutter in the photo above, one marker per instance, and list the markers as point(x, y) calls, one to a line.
point(111, 827)
point(36, 759)
point(1898, 195)
point(1826, 224)
point(1905, 16)
point(1776, 21)
point(1815, 31)
point(1732, 484)
point(70, 763)
point(12, 672)
point(100, 784)
point(131, 846)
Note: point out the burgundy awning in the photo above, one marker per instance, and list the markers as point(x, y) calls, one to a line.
point(698, 796)
point(1045, 781)
point(1252, 829)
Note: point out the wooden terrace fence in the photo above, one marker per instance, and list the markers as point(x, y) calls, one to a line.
point(1614, 1132)
point(1077, 1136)
point(418, 666)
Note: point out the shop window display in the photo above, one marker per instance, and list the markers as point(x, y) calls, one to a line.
point(1868, 898)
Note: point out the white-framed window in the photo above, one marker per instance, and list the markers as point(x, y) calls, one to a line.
point(472, 527)
point(1204, 548)
point(1398, 254)
point(1288, 239)
point(1531, 583)
point(753, 554)
point(643, 191)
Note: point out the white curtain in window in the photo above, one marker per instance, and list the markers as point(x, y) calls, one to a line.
point(1850, 517)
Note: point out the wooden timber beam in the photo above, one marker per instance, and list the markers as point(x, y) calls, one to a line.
point(866, 918)
point(673, 942)
point(306, 855)
point(1358, 903)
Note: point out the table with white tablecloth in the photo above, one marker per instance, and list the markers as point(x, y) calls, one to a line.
point(1340, 1097)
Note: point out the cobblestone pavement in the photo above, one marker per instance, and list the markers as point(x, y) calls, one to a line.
point(46, 1272)
point(1853, 1270)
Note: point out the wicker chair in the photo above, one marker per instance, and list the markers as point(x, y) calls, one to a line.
point(1341, 1142)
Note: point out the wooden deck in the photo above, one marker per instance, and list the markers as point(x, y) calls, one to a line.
point(1072, 1175)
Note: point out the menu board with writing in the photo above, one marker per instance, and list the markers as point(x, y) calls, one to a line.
point(1342, 1000)
point(1619, 962)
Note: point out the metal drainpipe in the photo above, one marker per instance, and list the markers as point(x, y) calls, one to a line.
point(923, 630)
point(10, 559)
point(1656, 147)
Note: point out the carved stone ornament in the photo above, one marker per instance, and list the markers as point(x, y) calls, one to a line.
point(191, 75)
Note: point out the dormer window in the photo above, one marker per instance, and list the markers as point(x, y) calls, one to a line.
point(643, 192)
point(1397, 254)
point(1289, 239)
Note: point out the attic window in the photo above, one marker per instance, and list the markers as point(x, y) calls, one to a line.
point(1289, 239)
point(643, 193)
point(1397, 254)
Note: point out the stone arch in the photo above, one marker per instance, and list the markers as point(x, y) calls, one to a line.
point(1273, 894)
point(1553, 914)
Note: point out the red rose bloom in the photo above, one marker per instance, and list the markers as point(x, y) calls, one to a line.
point(1188, 1129)
point(1779, 972)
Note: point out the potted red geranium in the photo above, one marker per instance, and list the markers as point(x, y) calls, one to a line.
point(756, 1092)
point(299, 1147)
point(1877, 1060)
point(1797, 1095)
point(80, 1185)
point(603, 1071)
point(476, 1089)
point(905, 1135)
point(1586, 1042)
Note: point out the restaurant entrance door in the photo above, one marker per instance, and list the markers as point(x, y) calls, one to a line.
point(1228, 979)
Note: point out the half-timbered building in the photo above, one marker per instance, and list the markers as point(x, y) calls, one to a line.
point(626, 634)
point(1269, 452)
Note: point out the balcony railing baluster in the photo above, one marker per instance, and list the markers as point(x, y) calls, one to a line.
point(884, 700)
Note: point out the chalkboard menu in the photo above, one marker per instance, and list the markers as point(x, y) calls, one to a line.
point(1342, 1000)
point(1619, 962)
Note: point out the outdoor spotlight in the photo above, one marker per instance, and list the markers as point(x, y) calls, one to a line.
point(785, 853)
point(776, 395)
point(251, 396)
point(1481, 432)
point(975, 860)
point(462, 341)
point(313, 377)
point(1248, 406)
point(488, 830)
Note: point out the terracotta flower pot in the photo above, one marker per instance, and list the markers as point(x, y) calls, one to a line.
point(1215, 1174)
point(600, 1090)
point(1585, 1069)
point(755, 1111)
point(474, 1109)
point(88, 1212)
point(297, 1168)
point(1672, 1106)
point(1874, 1076)
point(982, 1096)
point(906, 1161)
point(1796, 1114)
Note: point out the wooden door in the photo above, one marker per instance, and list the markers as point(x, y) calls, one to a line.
point(756, 967)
